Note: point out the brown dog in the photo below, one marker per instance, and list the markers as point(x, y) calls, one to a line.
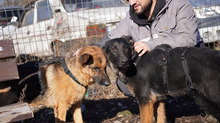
point(87, 65)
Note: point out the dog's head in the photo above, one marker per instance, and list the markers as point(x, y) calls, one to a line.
point(89, 63)
point(119, 52)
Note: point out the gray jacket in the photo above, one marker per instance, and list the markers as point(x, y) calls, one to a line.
point(175, 24)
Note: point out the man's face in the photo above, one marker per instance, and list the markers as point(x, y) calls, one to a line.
point(140, 6)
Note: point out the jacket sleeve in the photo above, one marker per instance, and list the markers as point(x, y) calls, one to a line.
point(185, 31)
point(122, 29)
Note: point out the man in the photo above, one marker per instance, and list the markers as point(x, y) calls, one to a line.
point(154, 22)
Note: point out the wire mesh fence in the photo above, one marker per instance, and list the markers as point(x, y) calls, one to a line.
point(44, 29)
point(208, 14)
point(50, 27)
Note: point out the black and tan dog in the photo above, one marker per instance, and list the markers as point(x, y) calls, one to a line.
point(62, 92)
point(160, 72)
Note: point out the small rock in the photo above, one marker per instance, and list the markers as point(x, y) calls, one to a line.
point(135, 101)
point(123, 113)
point(124, 107)
point(113, 109)
point(119, 104)
point(117, 121)
point(83, 108)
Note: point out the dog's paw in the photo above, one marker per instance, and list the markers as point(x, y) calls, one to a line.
point(37, 108)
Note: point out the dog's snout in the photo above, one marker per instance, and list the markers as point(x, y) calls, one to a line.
point(104, 80)
point(125, 62)
point(107, 82)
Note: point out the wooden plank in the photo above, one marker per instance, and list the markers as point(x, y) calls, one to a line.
point(15, 112)
point(8, 70)
point(6, 49)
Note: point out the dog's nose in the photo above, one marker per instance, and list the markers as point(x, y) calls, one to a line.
point(125, 62)
point(107, 83)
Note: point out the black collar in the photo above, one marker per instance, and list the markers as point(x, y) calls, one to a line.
point(65, 68)
point(67, 71)
point(122, 85)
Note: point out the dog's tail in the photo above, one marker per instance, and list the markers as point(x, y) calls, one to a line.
point(207, 105)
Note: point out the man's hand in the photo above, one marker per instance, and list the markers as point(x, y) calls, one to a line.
point(141, 47)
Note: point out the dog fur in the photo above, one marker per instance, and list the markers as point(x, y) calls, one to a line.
point(88, 65)
point(145, 80)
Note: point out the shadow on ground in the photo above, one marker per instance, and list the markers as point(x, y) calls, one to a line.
point(125, 110)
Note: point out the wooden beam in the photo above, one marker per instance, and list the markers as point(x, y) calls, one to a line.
point(15, 112)
point(8, 70)
point(6, 49)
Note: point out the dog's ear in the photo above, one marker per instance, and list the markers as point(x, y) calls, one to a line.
point(131, 44)
point(105, 47)
point(86, 59)
point(163, 47)
point(129, 40)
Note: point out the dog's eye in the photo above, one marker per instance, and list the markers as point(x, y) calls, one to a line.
point(114, 50)
point(96, 69)
point(126, 48)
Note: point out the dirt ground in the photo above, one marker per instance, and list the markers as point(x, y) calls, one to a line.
point(125, 110)
point(105, 104)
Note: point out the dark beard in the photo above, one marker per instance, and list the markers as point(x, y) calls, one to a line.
point(141, 19)
point(145, 11)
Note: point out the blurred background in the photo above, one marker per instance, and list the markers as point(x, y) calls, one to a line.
point(48, 28)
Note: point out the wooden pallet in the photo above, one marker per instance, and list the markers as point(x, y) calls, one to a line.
point(15, 112)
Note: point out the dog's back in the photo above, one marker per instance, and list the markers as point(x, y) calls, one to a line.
point(204, 68)
point(203, 65)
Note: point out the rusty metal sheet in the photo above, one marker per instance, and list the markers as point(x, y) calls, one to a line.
point(6, 49)
point(8, 70)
